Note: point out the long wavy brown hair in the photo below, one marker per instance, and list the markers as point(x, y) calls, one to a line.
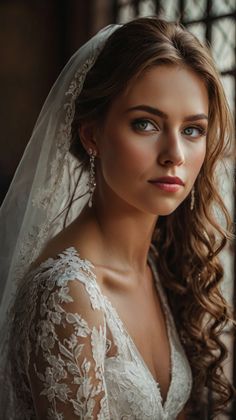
point(188, 242)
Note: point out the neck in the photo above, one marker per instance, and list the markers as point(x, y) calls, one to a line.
point(122, 232)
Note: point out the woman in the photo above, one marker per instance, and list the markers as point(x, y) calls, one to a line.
point(138, 119)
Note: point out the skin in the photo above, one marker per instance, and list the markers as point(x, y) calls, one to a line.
point(134, 147)
point(131, 153)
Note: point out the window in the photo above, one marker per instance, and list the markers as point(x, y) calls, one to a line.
point(213, 22)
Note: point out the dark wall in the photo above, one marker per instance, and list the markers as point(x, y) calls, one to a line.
point(36, 39)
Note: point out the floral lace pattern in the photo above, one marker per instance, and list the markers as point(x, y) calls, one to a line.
point(51, 191)
point(64, 328)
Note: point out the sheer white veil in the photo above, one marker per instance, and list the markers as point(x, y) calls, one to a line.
point(45, 178)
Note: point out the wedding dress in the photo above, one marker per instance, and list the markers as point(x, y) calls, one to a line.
point(61, 325)
point(62, 318)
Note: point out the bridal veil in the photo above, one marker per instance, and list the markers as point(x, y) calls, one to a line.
point(43, 185)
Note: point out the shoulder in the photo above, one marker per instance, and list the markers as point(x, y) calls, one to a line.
point(66, 274)
point(68, 294)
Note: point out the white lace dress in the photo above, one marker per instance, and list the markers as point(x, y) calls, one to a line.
point(64, 328)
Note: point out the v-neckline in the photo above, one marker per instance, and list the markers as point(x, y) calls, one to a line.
point(88, 266)
point(127, 334)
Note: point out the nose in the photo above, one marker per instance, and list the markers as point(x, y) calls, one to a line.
point(171, 150)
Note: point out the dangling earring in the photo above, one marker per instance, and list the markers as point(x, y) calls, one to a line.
point(192, 198)
point(91, 181)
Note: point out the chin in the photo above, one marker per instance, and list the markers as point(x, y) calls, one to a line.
point(165, 210)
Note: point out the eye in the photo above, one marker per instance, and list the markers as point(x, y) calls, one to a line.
point(194, 131)
point(142, 124)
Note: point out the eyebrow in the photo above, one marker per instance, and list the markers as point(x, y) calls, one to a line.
point(162, 114)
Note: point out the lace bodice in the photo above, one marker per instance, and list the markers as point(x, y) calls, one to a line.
point(64, 328)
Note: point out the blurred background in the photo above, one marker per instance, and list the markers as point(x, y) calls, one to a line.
point(37, 37)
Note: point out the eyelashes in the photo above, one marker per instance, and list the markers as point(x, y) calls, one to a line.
point(201, 130)
point(144, 125)
point(140, 124)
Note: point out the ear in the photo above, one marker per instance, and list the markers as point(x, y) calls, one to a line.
point(87, 134)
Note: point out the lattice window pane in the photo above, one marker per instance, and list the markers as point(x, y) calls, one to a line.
point(229, 87)
point(124, 2)
point(170, 9)
point(199, 30)
point(222, 34)
point(228, 341)
point(147, 8)
point(219, 7)
point(223, 43)
point(126, 13)
point(226, 256)
point(194, 9)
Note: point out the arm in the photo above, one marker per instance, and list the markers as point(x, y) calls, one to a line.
point(68, 341)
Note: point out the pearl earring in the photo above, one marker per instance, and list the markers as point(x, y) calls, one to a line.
point(92, 180)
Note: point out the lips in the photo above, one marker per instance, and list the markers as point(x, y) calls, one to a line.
point(168, 180)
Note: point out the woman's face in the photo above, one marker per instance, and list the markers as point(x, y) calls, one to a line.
point(156, 128)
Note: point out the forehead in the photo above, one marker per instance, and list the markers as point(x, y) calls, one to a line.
point(175, 90)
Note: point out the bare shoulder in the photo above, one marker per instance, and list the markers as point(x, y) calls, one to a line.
point(82, 239)
point(56, 245)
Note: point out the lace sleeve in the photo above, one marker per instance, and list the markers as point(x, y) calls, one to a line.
point(68, 346)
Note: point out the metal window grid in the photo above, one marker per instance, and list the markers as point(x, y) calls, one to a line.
point(208, 17)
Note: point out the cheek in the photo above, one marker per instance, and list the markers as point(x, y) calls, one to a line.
point(196, 160)
point(125, 154)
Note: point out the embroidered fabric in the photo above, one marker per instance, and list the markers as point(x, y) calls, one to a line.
point(62, 332)
point(33, 210)
point(55, 348)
